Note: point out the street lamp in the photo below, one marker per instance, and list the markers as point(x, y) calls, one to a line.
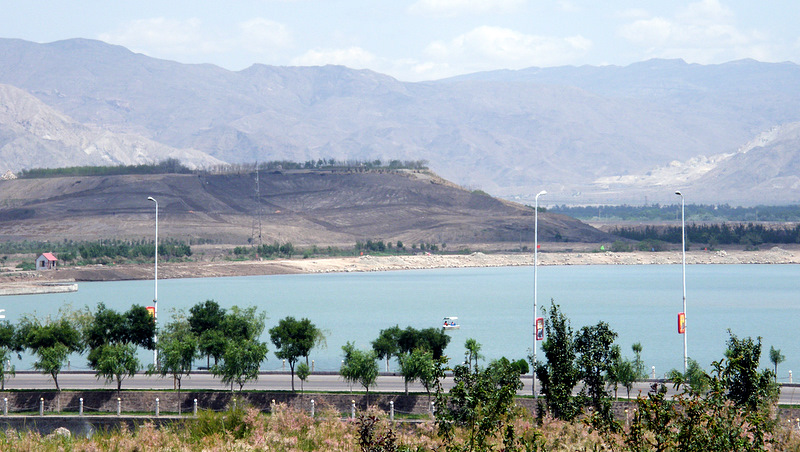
point(155, 294)
point(683, 249)
point(535, 284)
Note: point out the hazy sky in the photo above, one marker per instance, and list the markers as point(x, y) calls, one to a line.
point(420, 39)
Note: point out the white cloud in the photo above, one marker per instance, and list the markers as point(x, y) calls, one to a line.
point(352, 57)
point(702, 32)
point(456, 7)
point(488, 47)
point(260, 34)
point(162, 36)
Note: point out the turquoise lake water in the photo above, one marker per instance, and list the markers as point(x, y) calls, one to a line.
point(494, 306)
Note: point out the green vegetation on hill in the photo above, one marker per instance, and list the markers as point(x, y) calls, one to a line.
point(82, 253)
point(694, 212)
point(750, 234)
point(174, 166)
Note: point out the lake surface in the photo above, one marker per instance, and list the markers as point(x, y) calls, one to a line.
point(494, 306)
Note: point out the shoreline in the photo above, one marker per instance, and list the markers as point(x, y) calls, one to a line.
point(16, 283)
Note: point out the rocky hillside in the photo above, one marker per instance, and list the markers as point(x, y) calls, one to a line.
point(509, 133)
point(302, 207)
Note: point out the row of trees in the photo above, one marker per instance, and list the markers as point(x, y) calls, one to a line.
point(694, 212)
point(110, 338)
point(714, 234)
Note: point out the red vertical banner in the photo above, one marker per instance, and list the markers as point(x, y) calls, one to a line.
point(151, 310)
point(681, 323)
point(539, 328)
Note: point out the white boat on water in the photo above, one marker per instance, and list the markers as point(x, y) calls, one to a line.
point(451, 323)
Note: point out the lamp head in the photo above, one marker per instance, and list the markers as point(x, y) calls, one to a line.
point(543, 192)
point(679, 193)
point(150, 198)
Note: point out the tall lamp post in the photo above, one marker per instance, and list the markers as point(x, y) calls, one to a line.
point(535, 284)
point(683, 249)
point(155, 294)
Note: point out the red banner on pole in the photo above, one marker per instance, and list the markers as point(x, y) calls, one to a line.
point(540, 329)
point(681, 323)
point(151, 310)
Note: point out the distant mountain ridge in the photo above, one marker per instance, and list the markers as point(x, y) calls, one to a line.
point(511, 133)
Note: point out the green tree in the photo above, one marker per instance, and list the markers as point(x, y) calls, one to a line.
point(303, 371)
point(775, 357)
point(746, 385)
point(9, 344)
point(240, 362)
point(116, 362)
point(359, 366)
point(434, 340)
point(417, 366)
point(108, 327)
point(177, 349)
point(293, 339)
point(5, 373)
point(596, 355)
point(559, 374)
point(387, 344)
point(638, 364)
point(481, 401)
point(205, 321)
point(51, 340)
point(51, 359)
point(473, 352)
point(695, 376)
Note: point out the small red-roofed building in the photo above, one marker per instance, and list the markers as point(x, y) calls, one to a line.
point(47, 261)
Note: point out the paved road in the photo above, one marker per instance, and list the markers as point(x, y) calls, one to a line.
point(280, 381)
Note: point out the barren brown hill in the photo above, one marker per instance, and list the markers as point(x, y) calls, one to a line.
point(303, 207)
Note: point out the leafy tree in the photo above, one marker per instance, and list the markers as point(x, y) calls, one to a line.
point(50, 340)
point(559, 375)
point(5, 373)
point(177, 349)
point(117, 361)
point(8, 344)
point(638, 364)
point(205, 321)
point(387, 344)
point(433, 339)
point(695, 377)
point(775, 357)
point(51, 360)
point(418, 365)
point(473, 349)
point(746, 385)
point(596, 355)
point(481, 401)
point(359, 366)
point(108, 327)
point(303, 371)
point(240, 362)
point(293, 339)
point(243, 324)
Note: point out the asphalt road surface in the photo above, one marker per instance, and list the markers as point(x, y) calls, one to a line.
point(281, 381)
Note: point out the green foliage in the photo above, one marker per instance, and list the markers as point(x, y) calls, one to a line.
point(694, 212)
point(240, 362)
point(695, 376)
point(620, 246)
point(115, 362)
point(177, 349)
point(205, 321)
point(419, 365)
point(359, 366)
point(775, 357)
point(595, 358)
point(303, 371)
point(168, 166)
point(50, 340)
point(472, 353)
point(293, 339)
point(434, 340)
point(481, 401)
point(108, 327)
point(5, 373)
point(387, 344)
point(749, 234)
point(746, 385)
point(51, 359)
point(559, 375)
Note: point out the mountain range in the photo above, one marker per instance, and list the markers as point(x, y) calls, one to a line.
point(725, 133)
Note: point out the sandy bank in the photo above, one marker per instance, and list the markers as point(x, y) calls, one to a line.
point(206, 269)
